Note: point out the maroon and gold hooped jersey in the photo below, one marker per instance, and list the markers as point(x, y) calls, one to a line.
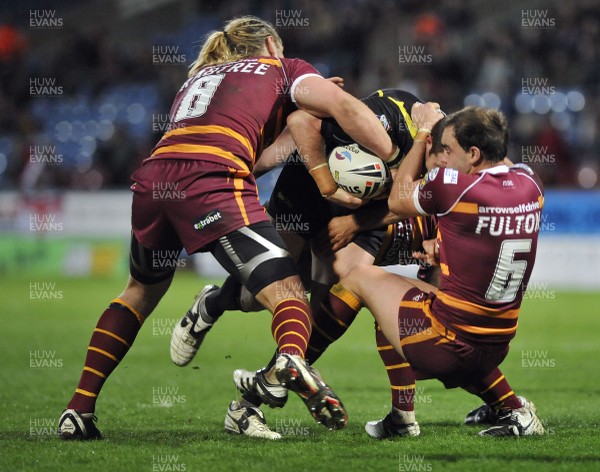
point(488, 230)
point(228, 113)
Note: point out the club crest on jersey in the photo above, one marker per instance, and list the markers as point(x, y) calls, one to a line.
point(450, 176)
point(432, 174)
point(384, 122)
point(208, 219)
point(340, 156)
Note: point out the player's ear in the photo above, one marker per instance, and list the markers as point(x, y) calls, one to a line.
point(475, 156)
point(272, 46)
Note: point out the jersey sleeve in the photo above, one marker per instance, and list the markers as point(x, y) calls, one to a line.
point(297, 70)
point(440, 190)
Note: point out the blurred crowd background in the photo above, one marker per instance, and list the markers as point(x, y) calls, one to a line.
point(86, 86)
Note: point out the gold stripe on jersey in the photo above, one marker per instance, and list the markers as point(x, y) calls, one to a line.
point(213, 129)
point(541, 201)
point(444, 268)
point(487, 331)
point(202, 149)
point(403, 387)
point(238, 185)
point(274, 62)
point(464, 207)
point(406, 115)
point(476, 309)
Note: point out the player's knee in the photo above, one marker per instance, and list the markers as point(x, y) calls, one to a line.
point(300, 120)
point(353, 280)
point(143, 297)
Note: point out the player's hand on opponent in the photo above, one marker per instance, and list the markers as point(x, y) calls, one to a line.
point(339, 81)
point(341, 230)
point(343, 198)
point(431, 256)
point(425, 115)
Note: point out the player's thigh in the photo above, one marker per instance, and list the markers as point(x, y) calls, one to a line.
point(257, 257)
point(381, 292)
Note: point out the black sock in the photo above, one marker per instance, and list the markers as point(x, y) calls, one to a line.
point(226, 298)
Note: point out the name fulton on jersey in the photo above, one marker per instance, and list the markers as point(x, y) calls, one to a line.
point(528, 222)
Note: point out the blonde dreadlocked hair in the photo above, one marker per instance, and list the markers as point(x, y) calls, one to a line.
point(241, 37)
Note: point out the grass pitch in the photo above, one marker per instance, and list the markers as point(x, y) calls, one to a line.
point(156, 416)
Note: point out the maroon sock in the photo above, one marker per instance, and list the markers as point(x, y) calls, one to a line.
point(331, 320)
point(495, 391)
point(291, 326)
point(115, 332)
point(399, 371)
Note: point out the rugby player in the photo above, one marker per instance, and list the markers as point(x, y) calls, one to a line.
point(489, 218)
point(234, 104)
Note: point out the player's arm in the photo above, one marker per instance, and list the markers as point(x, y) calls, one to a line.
point(342, 229)
point(322, 98)
point(407, 179)
point(275, 154)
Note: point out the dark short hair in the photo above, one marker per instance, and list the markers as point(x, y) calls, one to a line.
point(484, 128)
point(436, 136)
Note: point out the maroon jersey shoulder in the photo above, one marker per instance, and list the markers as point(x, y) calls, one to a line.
point(228, 112)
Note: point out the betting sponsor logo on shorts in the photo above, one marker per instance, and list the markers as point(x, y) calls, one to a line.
point(46, 155)
point(537, 155)
point(291, 19)
point(44, 291)
point(413, 462)
point(537, 18)
point(42, 426)
point(168, 463)
point(45, 223)
point(168, 55)
point(208, 219)
point(414, 55)
point(45, 19)
point(167, 396)
point(537, 359)
point(44, 359)
point(46, 87)
point(167, 191)
point(291, 427)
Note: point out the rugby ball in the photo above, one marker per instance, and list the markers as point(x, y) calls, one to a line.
point(358, 172)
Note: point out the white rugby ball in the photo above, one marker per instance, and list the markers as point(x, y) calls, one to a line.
point(358, 172)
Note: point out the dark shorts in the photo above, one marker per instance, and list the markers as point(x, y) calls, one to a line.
point(296, 206)
point(191, 203)
point(434, 351)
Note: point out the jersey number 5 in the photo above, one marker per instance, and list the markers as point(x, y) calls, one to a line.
point(197, 98)
point(509, 273)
